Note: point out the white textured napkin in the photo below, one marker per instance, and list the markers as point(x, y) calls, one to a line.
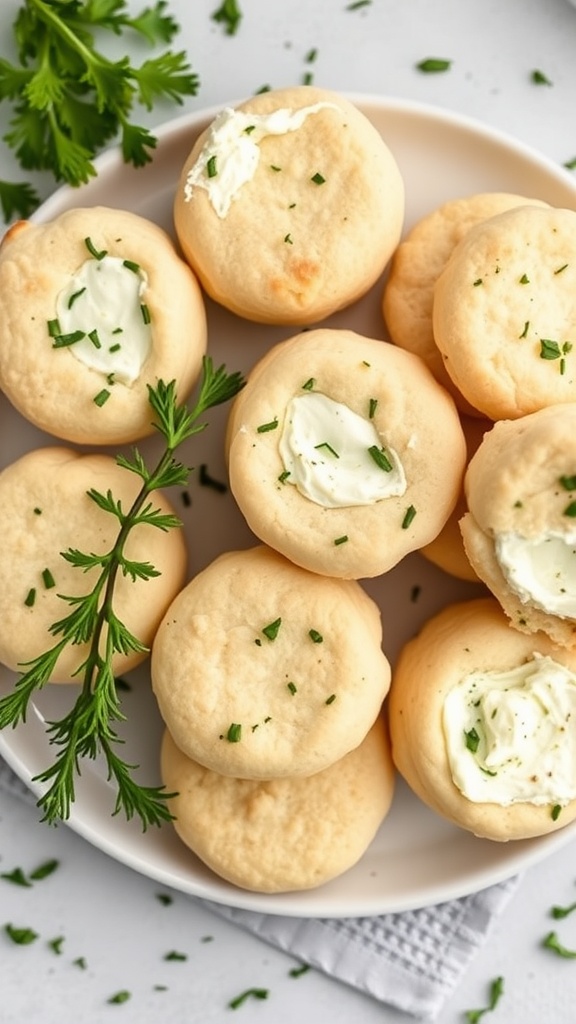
point(411, 961)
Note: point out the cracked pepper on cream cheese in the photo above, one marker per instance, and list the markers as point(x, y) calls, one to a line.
point(541, 570)
point(511, 737)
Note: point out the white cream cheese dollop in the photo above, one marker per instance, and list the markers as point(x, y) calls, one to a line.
point(511, 736)
point(231, 153)
point(541, 570)
point(104, 299)
point(325, 449)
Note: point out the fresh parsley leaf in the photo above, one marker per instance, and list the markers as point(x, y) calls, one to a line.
point(69, 99)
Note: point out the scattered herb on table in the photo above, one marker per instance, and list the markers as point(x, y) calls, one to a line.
point(539, 78)
point(21, 936)
point(88, 728)
point(433, 65)
point(229, 15)
point(560, 912)
point(120, 997)
point(69, 100)
point(496, 992)
point(249, 993)
point(552, 942)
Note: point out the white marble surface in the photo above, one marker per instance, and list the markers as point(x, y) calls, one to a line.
point(112, 916)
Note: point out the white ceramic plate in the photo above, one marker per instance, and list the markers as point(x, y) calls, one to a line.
point(416, 859)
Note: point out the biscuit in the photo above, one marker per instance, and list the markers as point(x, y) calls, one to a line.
point(447, 549)
point(285, 834)
point(289, 207)
point(44, 511)
point(520, 529)
point(415, 267)
point(344, 453)
point(263, 670)
point(114, 282)
point(504, 312)
point(477, 716)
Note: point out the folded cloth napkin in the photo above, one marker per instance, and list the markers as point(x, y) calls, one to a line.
point(411, 961)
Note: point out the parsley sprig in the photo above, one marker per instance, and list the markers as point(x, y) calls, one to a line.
point(88, 729)
point(69, 99)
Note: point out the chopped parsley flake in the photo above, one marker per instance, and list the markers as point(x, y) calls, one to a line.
point(249, 993)
point(341, 540)
point(48, 579)
point(272, 629)
point(472, 740)
point(496, 992)
point(433, 65)
point(211, 168)
point(264, 428)
point(234, 734)
point(553, 943)
point(318, 178)
point(380, 458)
point(315, 636)
point(98, 254)
point(101, 398)
point(408, 517)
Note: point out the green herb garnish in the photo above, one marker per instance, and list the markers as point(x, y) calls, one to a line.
point(211, 168)
point(272, 629)
point(88, 729)
point(432, 65)
point(318, 178)
point(249, 993)
point(331, 451)
point(552, 942)
point(315, 636)
point(229, 15)
point(21, 936)
point(120, 997)
point(234, 734)
point(539, 78)
point(69, 100)
point(101, 398)
point(380, 458)
point(496, 992)
point(264, 428)
point(97, 254)
point(472, 740)
point(408, 517)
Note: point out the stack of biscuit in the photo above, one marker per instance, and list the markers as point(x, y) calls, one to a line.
point(496, 321)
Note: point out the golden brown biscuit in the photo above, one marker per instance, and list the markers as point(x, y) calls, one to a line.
point(285, 834)
point(344, 453)
point(289, 207)
point(45, 510)
point(263, 670)
point(417, 264)
point(447, 549)
point(504, 312)
point(96, 306)
point(520, 530)
point(478, 715)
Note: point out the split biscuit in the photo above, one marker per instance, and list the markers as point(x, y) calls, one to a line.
point(344, 453)
point(45, 511)
point(96, 307)
point(478, 716)
point(417, 264)
point(285, 834)
point(520, 529)
point(263, 670)
point(289, 207)
point(504, 312)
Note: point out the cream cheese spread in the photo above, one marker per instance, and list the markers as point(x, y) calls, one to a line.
point(104, 301)
point(541, 570)
point(511, 736)
point(335, 457)
point(231, 153)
